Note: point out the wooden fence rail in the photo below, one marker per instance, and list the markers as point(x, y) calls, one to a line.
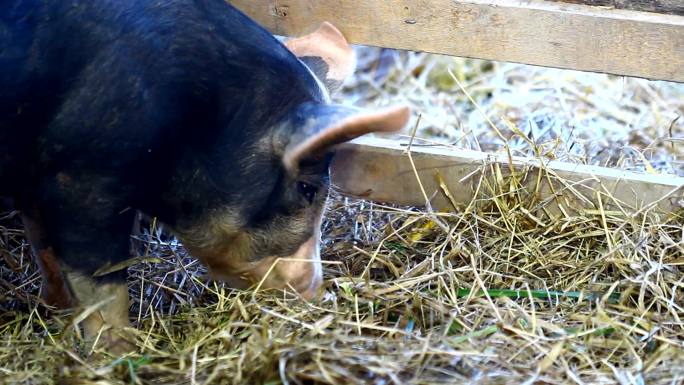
point(380, 170)
point(546, 33)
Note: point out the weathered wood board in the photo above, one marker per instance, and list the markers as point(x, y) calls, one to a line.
point(380, 170)
point(546, 33)
point(675, 7)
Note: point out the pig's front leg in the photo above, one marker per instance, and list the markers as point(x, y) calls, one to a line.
point(105, 302)
point(88, 227)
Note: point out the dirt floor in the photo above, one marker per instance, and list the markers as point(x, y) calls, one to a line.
point(489, 294)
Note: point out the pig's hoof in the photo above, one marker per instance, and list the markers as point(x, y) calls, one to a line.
point(115, 342)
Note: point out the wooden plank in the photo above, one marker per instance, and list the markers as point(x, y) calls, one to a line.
point(674, 7)
point(379, 169)
point(535, 32)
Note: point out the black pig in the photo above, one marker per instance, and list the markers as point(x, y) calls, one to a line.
point(185, 110)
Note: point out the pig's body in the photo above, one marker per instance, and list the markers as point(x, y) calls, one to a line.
point(185, 110)
point(104, 109)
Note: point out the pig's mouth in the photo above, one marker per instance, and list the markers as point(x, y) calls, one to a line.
point(301, 271)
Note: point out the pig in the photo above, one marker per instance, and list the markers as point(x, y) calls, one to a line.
point(184, 110)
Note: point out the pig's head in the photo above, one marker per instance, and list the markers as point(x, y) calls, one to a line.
point(269, 232)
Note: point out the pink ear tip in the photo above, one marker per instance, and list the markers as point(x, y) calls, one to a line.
point(327, 28)
point(397, 117)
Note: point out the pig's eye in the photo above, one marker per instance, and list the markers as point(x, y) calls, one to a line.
point(308, 191)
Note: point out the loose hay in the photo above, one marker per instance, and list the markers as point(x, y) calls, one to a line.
point(496, 292)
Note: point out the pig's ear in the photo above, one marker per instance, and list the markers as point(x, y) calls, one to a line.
point(327, 53)
point(316, 129)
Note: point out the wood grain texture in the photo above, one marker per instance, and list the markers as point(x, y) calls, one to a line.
point(674, 7)
point(379, 169)
point(545, 33)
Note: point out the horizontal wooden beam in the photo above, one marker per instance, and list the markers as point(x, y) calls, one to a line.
point(674, 7)
point(380, 170)
point(538, 32)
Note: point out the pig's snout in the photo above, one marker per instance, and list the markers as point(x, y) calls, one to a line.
point(301, 271)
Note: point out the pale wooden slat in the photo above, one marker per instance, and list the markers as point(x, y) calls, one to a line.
point(378, 169)
point(536, 32)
